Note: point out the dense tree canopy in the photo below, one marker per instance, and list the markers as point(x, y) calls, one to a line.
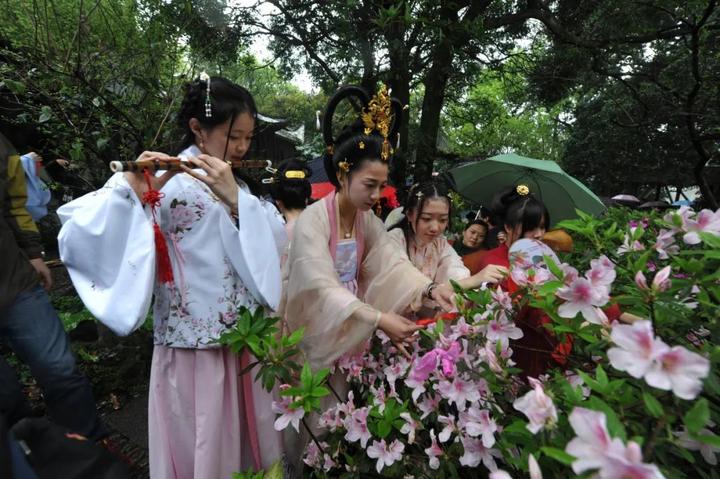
point(622, 93)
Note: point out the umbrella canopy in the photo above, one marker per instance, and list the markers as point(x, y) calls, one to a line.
point(561, 193)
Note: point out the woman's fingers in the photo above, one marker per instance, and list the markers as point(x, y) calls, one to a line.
point(400, 347)
point(195, 175)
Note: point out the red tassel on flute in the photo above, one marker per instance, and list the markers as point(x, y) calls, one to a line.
point(164, 267)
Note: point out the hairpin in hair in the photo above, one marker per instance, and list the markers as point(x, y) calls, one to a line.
point(344, 165)
point(522, 190)
point(295, 174)
point(208, 104)
point(378, 116)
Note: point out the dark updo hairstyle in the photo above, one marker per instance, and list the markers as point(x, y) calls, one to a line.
point(293, 192)
point(513, 209)
point(227, 101)
point(418, 195)
point(477, 222)
point(352, 144)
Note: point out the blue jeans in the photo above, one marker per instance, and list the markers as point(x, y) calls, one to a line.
point(33, 330)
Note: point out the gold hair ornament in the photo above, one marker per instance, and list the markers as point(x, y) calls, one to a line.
point(522, 190)
point(344, 166)
point(378, 117)
point(295, 174)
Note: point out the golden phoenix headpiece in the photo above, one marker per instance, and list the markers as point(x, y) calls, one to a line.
point(379, 114)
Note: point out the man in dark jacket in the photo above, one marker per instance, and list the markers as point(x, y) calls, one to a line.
point(28, 322)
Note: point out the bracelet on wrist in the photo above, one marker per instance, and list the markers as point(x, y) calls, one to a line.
point(429, 289)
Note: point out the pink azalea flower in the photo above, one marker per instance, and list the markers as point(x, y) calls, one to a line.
point(537, 406)
point(330, 420)
point(434, 452)
point(708, 451)
point(636, 348)
point(288, 415)
point(459, 392)
point(460, 329)
point(629, 245)
point(680, 370)
point(602, 272)
point(313, 454)
point(417, 384)
point(449, 428)
point(409, 427)
point(385, 454)
point(395, 370)
point(641, 281)
point(499, 474)
point(428, 405)
point(570, 274)
point(661, 281)
point(502, 332)
point(665, 244)
point(593, 448)
point(576, 381)
point(535, 472)
point(593, 442)
point(706, 221)
point(679, 218)
point(475, 452)
point(379, 397)
point(477, 422)
point(582, 297)
point(502, 298)
point(356, 426)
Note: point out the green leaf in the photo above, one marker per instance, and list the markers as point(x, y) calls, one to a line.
point(558, 454)
point(601, 377)
point(711, 240)
point(295, 337)
point(319, 392)
point(710, 439)
point(652, 404)
point(306, 376)
point(18, 88)
point(45, 114)
point(554, 268)
point(697, 417)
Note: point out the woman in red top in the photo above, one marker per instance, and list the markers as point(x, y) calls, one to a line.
point(525, 216)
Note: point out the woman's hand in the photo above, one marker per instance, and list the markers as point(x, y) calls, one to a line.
point(491, 274)
point(444, 296)
point(219, 178)
point(400, 330)
point(137, 180)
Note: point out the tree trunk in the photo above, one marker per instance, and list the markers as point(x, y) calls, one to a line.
point(435, 83)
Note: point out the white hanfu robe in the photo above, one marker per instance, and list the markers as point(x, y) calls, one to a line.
point(205, 421)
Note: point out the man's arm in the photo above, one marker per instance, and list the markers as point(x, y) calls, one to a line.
point(19, 220)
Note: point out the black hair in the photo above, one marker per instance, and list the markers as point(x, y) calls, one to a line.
point(293, 192)
point(477, 222)
point(227, 101)
point(353, 145)
point(348, 149)
point(514, 209)
point(418, 195)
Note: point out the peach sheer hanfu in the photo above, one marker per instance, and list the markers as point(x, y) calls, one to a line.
point(205, 420)
point(316, 298)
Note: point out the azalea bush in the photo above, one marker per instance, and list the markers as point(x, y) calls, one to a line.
point(638, 397)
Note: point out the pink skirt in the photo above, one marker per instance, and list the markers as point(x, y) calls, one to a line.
point(205, 421)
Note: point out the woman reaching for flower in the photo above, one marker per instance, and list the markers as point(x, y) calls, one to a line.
point(420, 235)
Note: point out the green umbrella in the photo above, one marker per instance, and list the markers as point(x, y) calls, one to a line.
point(562, 194)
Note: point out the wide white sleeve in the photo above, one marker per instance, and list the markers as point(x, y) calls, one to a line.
point(254, 245)
point(107, 244)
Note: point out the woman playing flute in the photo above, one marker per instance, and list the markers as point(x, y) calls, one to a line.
point(223, 244)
